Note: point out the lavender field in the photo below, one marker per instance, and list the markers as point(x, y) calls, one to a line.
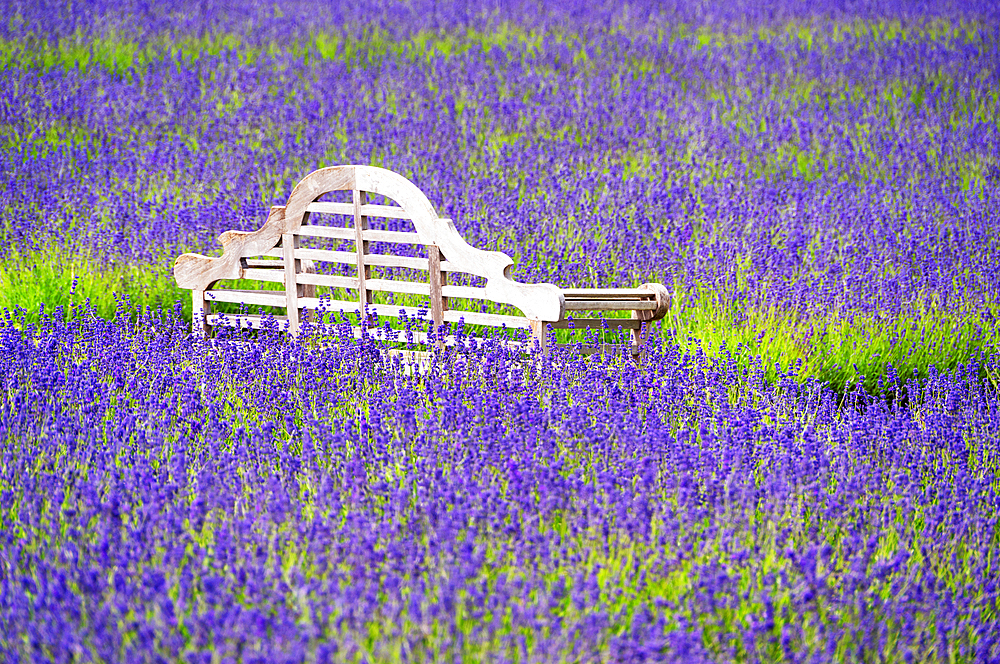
point(803, 468)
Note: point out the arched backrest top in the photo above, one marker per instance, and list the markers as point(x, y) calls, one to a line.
point(429, 227)
point(363, 178)
point(537, 301)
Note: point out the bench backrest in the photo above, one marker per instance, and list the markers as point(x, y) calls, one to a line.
point(287, 226)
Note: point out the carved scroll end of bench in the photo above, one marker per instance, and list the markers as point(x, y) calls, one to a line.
point(537, 301)
point(229, 237)
point(275, 225)
point(663, 299)
point(470, 259)
point(199, 272)
point(544, 302)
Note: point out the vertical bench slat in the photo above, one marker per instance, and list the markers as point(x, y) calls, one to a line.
point(360, 226)
point(288, 242)
point(200, 311)
point(434, 275)
point(538, 334)
point(444, 283)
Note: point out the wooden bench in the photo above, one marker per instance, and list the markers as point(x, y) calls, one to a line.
point(284, 251)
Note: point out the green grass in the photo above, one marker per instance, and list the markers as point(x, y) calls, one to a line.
point(56, 277)
point(125, 55)
point(837, 349)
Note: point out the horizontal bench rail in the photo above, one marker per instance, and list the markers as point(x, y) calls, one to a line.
point(261, 298)
point(377, 333)
point(328, 256)
point(597, 323)
point(349, 233)
point(262, 274)
point(329, 304)
point(608, 294)
point(264, 264)
point(490, 320)
point(385, 260)
point(374, 260)
point(465, 292)
point(367, 210)
point(324, 207)
point(246, 321)
point(393, 286)
point(395, 237)
point(610, 305)
point(334, 232)
point(327, 280)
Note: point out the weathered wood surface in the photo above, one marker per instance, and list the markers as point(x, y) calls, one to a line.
point(597, 324)
point(328, 280)
point(262, 298)
point(542, 304)
point(610, 305)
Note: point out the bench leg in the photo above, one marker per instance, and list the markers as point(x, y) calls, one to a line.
point(200, 309)
point(538, 334)
point(437, 280)
point(307, 290)
point(639, 335)
point(289, 242)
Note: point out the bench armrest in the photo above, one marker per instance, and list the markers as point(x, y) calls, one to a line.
point(198, 272)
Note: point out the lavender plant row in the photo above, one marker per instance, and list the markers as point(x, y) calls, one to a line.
point(278, 501)
point(263, 22)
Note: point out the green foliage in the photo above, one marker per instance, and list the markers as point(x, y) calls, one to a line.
point(57, 277)
point(839, 350)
